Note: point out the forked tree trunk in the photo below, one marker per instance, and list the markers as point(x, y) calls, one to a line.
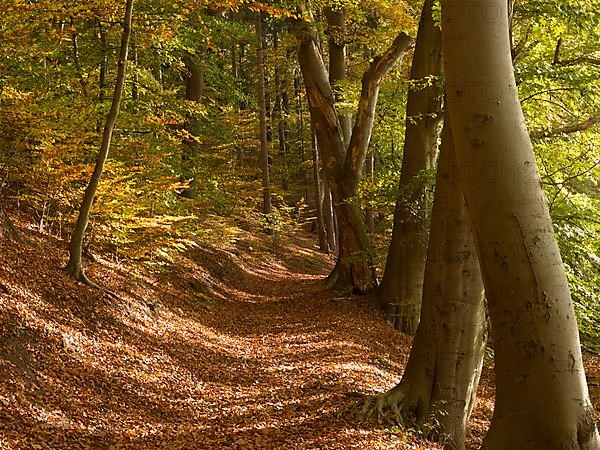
point(439, 384)
point(343, 164)
point(75, 267)
point(542, 399)
point(402, 283)
point(262, 113)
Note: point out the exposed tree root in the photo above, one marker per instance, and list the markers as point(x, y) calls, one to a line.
point(393, 401)
point(80, 276)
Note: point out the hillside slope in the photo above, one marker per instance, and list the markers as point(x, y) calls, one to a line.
point(235, 346)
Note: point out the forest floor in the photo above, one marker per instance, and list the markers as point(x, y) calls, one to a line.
point(238, 346)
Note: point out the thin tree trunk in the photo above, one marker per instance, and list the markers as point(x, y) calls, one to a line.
point(542, 399)
point(328, 216)
point(281, 115)
point(300, 121)
point(75, 267)
point(336, 31)
point(402, 283)
point(194, 92)
point(194, 80)
point(323, 245)
point(135, 95)
point(369, 220)
point(103, 71)
point(264, 148)
point(76, 59)
point(441, 377)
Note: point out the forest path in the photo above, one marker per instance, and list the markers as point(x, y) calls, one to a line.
point(240, 346)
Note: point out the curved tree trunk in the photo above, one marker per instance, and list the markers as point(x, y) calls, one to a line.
point(439, 384)
point(402, 283)
point(542, 400)
point(343, 164)
point(75, 267)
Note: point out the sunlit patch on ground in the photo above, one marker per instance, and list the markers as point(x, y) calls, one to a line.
point(233, 349)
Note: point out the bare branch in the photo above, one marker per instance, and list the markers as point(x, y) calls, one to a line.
point(567, 129)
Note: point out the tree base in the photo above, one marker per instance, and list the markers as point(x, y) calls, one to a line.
point(76, 271)
point(381, 405)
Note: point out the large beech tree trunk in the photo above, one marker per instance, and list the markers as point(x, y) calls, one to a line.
point(402, 283)
point(262, 112)
point(542, 400)
point(440, 381)
point(343, 163)
point(75, 267)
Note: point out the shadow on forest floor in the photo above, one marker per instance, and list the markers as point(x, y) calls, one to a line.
point(239, 346)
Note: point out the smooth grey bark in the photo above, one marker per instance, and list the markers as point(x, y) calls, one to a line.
point(262, 114)
point(439, 384)
point(74, 266)
point(343, 163)
point(542, 399)
point(399, 293)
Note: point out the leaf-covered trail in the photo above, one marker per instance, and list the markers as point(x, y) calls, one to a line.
point(239, 347)
point(236, 347)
